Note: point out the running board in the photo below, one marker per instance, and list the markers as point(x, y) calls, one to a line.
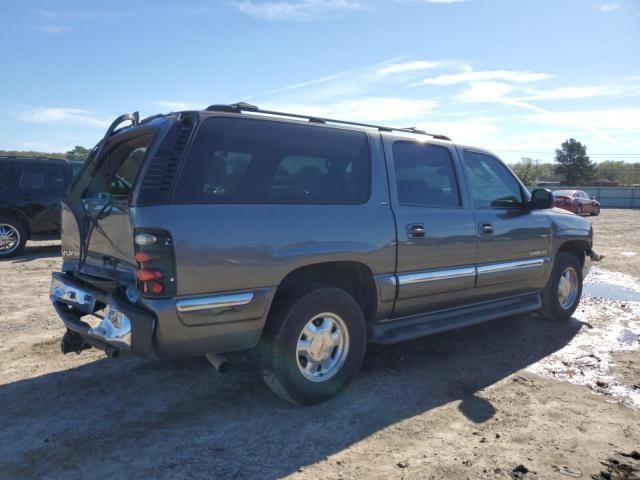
point(418, 326)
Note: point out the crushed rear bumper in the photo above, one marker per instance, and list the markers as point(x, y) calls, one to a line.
point(124, 326)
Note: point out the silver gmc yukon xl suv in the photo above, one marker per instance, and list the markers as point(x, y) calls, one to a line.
point(303, 239)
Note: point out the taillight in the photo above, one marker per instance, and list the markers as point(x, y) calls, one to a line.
point(154, 254)
point(148, 274)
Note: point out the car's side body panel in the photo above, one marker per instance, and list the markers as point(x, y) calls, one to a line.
point(230, 258)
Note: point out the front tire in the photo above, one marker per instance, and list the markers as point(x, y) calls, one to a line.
point(596, 211)
point(561, 295)
point(313, 344)
point(13, 237)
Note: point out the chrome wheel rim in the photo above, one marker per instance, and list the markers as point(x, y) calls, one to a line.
point(9, 238)
point(568, 288)
point(322, 347)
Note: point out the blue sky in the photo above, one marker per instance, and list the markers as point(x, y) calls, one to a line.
point(516, 77)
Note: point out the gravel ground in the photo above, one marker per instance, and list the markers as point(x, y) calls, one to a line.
point(515, 398)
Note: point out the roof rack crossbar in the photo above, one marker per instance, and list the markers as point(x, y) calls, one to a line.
point(246, 107)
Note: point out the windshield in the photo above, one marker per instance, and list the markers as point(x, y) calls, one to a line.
point(563, 193)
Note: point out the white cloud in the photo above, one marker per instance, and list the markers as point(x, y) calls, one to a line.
point(485, 92)
point(441, 2)
point(470, 131)
point(53, 29)
point(471, 75)
point(363, 109)
point(585, 91)
point(609, 7)
point(57, 15)
point(408, 67)
point(300, 10)
point(620, 119)
point(177, 106)
point(71, 116)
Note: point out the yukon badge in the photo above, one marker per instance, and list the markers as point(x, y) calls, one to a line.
point(537, 253)
point(70, 253)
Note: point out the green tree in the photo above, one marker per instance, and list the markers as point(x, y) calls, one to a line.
point(574, 164)
point(527, 170)
point(30, 153)
point(78, 153)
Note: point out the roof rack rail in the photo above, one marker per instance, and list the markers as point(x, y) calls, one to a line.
point(247, 107)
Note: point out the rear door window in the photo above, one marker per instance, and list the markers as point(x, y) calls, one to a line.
point(42, 178)
point(492, 184)
point(425, 175)
point(262, 161)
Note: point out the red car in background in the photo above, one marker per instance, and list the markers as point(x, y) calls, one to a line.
point(576, 201)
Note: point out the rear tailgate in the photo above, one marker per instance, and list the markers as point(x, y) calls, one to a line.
point(97, 214)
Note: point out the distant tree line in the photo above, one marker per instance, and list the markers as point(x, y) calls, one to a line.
point(78, 153)
point(573, 167)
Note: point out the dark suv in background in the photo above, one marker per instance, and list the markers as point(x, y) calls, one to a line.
point(31, 190)
point(303, 238)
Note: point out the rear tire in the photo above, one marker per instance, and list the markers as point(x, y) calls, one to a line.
point(313, 344)
point(561, 295)
point(13, 237)
point(579, 210)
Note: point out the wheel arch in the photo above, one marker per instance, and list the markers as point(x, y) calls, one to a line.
point(577, 248)
point(354, 277)
point(19, 216)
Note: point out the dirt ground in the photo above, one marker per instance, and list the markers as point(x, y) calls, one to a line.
point(515, 398)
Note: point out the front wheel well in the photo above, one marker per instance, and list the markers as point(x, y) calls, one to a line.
point(353, 277)
point(577, 248)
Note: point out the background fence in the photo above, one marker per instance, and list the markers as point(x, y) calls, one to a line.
point(609, 197)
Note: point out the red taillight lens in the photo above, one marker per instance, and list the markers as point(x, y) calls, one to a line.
point(144, 257)
point(148, 274)
point(155, 257)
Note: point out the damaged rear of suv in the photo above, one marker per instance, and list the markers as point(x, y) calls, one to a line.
point(114, 268)
point(302, 238)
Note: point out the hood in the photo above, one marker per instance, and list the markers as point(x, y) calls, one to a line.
point(569, 223)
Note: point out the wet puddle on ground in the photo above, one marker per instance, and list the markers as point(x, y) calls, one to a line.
point(628, 337)
point(610, 313)
point(610, 291)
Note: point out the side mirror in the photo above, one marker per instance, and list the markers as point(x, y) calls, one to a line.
point(593, 197)
point(541, 198)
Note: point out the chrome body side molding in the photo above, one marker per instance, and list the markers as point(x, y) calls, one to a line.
point(435, 275)
point(512, 265)
point(211, 302)
point(429, 276)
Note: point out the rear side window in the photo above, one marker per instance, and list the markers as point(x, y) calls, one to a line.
point(425, 175)
point(492, 184)
point(42, 178)
point(260, 161)
point(117, 172)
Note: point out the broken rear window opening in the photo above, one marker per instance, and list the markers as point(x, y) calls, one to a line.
point(117, 172)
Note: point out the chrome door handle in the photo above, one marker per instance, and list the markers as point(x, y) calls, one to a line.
point(486, 228)
point(415, 230)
